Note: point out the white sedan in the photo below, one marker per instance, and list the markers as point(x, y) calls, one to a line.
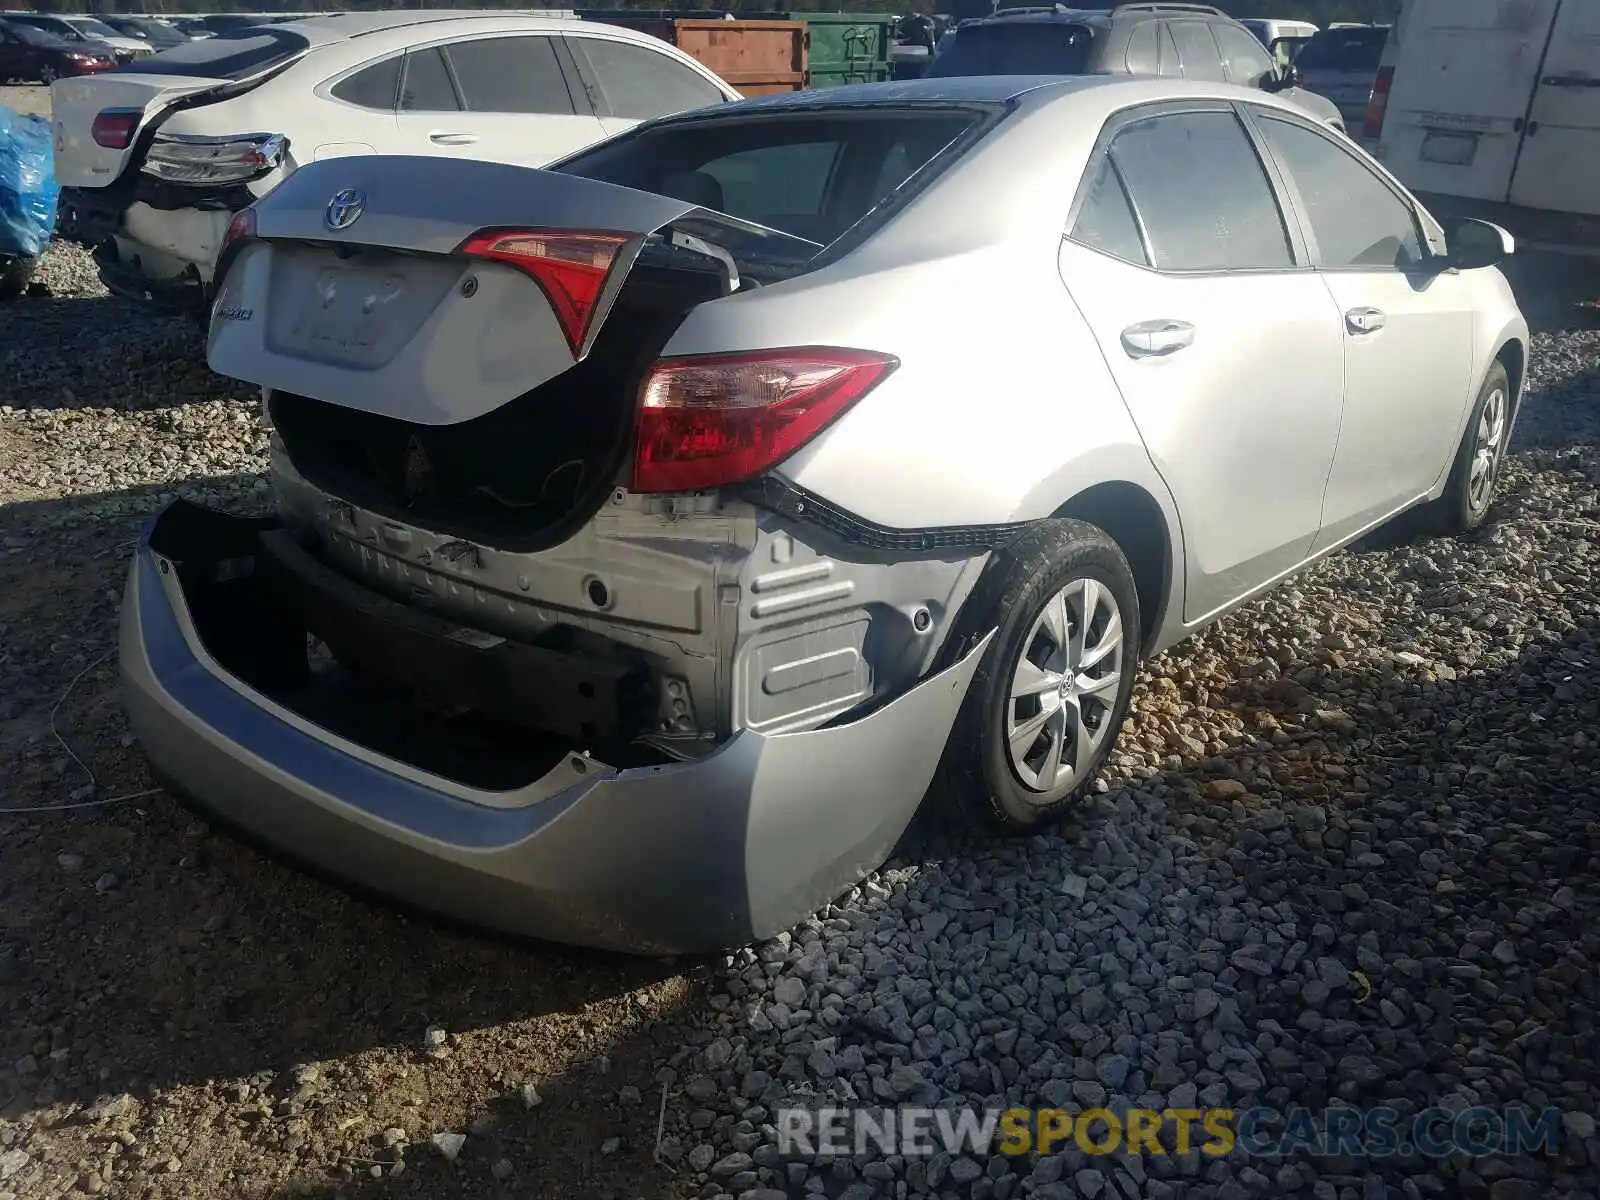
point(154, 163)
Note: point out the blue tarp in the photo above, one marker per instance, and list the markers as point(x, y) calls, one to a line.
point(28, 187)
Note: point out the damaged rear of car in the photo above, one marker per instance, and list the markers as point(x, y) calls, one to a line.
point(539, 636)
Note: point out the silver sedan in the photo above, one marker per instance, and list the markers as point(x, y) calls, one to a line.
point(653, 530)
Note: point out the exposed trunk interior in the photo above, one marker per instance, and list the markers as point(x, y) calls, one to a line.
point(523, 476)
point(398, 683)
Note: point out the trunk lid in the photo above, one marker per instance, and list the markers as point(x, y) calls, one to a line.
point(385, 315)
point(75, 103)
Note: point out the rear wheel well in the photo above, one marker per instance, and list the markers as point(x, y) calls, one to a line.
point(1513, 356)
point(1131, 517)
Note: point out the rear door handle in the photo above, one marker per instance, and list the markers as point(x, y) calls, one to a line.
point(452, 139)
point(1365, 320)
point(1156, 339)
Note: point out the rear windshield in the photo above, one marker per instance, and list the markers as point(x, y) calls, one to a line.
point(1343, 50)
point(1015, 48)
point(225, 56)
point(809, 175)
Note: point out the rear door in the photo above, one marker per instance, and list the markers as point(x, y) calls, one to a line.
point(1225, 346)
point(501, 99)
point(1464, 77)
point(627, 83)
point(1408, 328)
point(1559, 167)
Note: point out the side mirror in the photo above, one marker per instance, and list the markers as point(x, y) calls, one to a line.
point(1288, 76)
point(1471, 244)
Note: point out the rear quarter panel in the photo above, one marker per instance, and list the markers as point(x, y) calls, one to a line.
point(1002, 408)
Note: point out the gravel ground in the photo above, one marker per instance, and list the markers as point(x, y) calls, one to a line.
point(1348, 853)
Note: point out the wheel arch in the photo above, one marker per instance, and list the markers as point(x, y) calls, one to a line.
point(1136, 521)
point(1513, 355)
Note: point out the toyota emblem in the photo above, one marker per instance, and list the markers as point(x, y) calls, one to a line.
point(345, 209)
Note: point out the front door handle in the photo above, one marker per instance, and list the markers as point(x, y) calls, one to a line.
point(452, 139)
point(1156, 339)
point(1365, 320)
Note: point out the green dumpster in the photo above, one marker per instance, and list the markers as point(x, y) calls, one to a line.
point(847, 47)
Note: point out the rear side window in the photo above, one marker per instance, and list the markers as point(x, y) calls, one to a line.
point(510, 75)
point(1247, 61)
point(1202, 193)
point(1357, 220)
point(1106, 221)
point(371, 87)
point(227, 55)
point(810, 176)
point(1198, 49)
point(636, 83)
point(1016, 48)
point(427, 86)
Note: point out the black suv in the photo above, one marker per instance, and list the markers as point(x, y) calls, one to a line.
point(1179, 41)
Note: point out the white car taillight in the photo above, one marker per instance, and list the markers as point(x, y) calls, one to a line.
point(185, 158)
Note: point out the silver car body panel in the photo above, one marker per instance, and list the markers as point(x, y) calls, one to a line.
point(1014, 398)
point(684, 858)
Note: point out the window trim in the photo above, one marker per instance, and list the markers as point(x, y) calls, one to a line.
point(588, 80)
point(1299, 251)
point(1252, 114)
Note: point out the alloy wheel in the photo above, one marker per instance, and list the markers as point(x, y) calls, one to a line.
point(1487, 451)
point(1064, 688)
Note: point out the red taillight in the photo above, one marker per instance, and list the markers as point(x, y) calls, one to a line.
point(241, 227)
point(709, 421)
point(114, 128)
point(570, 267)
point(1377, 104)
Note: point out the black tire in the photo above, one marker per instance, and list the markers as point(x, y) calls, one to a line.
point(979, 771)
point(1464, 505)
point(15, 275)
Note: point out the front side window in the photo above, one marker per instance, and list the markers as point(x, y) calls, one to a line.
point(1357, 220)
point(637, 83)
point(511, 75)
point(1144, 50)
point(427, 86)
point(1247, 62)
point(1198, 50)
point(1204, 197)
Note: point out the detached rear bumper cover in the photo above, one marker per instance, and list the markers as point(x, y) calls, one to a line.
point(683, 858)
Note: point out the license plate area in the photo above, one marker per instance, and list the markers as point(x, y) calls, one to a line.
point(1449, 148)
point(357, 311)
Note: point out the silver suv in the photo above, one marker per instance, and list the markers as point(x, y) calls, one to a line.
point(1177, 41)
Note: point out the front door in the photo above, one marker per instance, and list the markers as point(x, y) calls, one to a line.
point(1408, 328)
point(1559, 167)
point(1226, 347)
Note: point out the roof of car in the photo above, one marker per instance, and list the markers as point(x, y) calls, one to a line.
point(971, 89)
point(335, 27)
